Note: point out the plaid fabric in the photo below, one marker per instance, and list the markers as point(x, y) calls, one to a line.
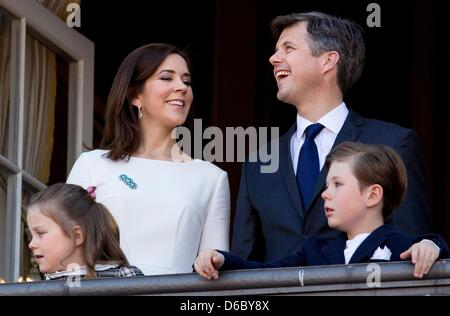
point(111, 271)
point(118, 272)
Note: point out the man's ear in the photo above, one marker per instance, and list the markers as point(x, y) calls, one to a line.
point(78, 235)
point(330, 60)
point(374, 195)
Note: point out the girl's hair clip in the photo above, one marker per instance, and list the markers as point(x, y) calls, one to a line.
point(91, 191)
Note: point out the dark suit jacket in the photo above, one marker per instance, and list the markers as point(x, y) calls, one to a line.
point(270, 220)
point(321, 251)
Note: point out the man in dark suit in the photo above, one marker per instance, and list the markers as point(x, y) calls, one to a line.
point(317, 59)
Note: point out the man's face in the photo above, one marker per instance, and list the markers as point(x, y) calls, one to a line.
point(296, 70)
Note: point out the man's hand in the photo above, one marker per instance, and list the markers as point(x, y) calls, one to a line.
point(207, 264)
point(422, 254)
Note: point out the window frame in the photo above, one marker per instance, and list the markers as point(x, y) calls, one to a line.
point(29, 16)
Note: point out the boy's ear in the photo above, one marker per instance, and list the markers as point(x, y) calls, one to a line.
point(374, 195)
point(78, 235)
point(330, 60)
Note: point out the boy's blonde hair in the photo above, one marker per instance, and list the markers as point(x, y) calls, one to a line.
point(375, 164)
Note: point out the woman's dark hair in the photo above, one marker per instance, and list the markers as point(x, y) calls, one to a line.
point(70, 205)
point(121, 134)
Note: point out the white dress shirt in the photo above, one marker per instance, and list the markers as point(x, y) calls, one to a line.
point(332, 122)
point(352, 245)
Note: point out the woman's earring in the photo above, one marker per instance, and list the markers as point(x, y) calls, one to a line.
point(139, 112)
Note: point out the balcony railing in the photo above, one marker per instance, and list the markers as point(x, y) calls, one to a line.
point(394, 278)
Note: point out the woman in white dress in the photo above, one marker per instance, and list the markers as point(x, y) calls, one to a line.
point(168, 206)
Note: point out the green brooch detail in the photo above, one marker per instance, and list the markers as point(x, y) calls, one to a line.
point(128, 181)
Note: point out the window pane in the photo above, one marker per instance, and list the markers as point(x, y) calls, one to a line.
point(2, 225)
point(5, 62)
point(29, 269)
point(45, 115)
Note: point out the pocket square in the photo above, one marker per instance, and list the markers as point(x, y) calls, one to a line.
point(382, 254)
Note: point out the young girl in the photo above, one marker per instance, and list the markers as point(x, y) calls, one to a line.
point(72, 234)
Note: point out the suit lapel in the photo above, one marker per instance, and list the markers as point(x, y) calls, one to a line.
point(287, 170)
point(350, 131)
point(365, 251)
point(334, 250)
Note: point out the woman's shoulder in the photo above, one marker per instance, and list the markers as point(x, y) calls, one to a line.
point(208, 167)
point(95, 154)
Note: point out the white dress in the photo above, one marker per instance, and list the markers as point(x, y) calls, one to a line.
point(166, 211)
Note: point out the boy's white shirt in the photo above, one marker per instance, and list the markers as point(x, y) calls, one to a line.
point(352, 245)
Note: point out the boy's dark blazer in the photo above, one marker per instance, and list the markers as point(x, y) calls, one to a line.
point(322, 251)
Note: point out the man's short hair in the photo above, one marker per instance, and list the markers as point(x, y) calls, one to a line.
point(329, 33)
point(375, 164)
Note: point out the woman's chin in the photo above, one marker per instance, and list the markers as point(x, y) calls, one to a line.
point(176, 120)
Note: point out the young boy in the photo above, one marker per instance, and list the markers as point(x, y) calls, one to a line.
point(365, 184)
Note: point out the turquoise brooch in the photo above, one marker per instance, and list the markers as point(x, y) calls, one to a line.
point(128, 181)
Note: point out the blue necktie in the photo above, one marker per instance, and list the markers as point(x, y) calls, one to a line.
point(308, 167)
